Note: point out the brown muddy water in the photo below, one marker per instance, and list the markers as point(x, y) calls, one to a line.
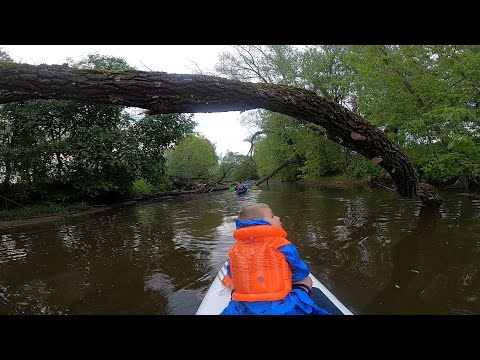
point(377, 252)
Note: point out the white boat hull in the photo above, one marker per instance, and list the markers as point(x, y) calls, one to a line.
point(218, 296)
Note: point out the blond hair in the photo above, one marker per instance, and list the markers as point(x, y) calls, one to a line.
point(256, 211)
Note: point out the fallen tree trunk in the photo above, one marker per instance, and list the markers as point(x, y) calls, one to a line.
point(163, 93)
point(200, 190)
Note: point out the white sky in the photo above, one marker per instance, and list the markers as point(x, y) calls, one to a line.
point(223, 129)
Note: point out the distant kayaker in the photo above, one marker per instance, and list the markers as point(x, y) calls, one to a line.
point(240, 186)
point(265, 270)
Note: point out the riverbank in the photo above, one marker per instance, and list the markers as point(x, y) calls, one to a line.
point(337, 181)
point(333, 181)
point(41, 218)
point(50, 217)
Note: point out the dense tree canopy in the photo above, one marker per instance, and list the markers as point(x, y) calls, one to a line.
point(423, 98)
point(62, 150)
point(179, 93)
point(192, 160)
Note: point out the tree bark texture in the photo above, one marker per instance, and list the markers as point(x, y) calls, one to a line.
point(162, 93)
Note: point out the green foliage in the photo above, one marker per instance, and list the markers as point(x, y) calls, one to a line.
point(362, 168)
point(449, 166)
point(101, 62)
point(235, 167)
point(140, 188)
point(325, 70)
point(280, 145)
point(424, 97)
point(322, 157)
point(246, 171)
point(438, 163)
point(90, 152)
point(322, 69)
point(191, 161)
point(270, 154)
point(155, 134)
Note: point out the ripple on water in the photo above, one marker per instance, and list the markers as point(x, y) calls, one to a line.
point(350, 238)
point(9, 250)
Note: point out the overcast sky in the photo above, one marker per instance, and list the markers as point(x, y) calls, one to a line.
point(223, 129)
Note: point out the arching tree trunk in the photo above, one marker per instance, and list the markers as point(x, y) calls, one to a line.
point(163, 93)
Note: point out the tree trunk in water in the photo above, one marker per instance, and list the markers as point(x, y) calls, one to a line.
point(163, 93)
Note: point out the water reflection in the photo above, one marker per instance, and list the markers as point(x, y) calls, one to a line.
point(380, 254)
point(9, 251)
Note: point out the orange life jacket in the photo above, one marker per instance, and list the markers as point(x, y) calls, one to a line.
point(259, 271)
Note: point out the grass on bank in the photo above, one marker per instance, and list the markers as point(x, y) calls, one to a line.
point(141, 188)
point(41, 210)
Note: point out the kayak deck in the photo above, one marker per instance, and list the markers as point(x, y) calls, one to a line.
point(218, 296)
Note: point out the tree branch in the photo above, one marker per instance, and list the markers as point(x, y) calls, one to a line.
point(163, 93)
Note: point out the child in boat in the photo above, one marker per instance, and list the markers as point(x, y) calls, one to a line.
point(265, 270)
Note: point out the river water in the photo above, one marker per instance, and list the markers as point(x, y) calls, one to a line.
point(377, 252)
